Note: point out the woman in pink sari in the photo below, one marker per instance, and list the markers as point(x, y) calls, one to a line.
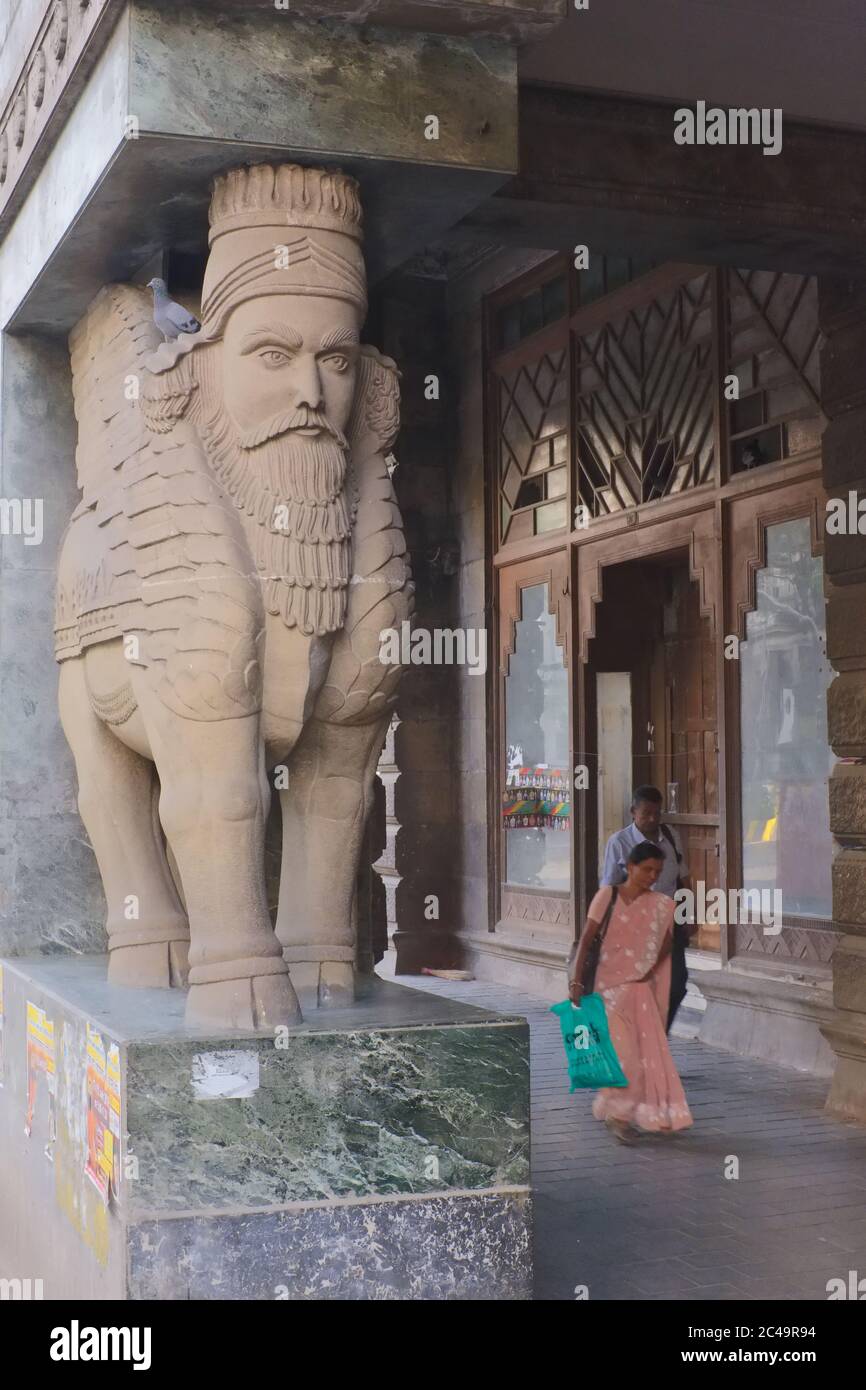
point(634, 979)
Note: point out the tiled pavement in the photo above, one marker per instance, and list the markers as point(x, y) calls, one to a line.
point(660, 1220)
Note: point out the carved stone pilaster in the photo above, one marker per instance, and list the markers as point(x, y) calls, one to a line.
point(385, 864)
point(843, 320)
point(49, 78)
point(423, 862)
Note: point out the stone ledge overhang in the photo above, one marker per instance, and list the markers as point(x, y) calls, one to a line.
point(58, 44)
point(199, 94)
point(518, 20)
point(52, 46)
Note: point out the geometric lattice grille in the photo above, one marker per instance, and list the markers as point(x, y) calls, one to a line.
point(793, 943)
point(644, 394)
point(773, 348)
point(533, 447)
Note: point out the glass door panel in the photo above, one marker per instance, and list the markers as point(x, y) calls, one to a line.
point(536, 802)
point(786, 760)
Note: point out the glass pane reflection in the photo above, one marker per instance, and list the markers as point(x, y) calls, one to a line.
point(784, 675)
point(536, 811)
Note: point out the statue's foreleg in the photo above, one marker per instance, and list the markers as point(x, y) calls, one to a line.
point(211, 807)
point(324, 812)
point(148, 934)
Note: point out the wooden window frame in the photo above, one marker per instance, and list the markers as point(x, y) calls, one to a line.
point(774, 492)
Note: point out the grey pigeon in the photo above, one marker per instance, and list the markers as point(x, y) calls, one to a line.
point(170, 318)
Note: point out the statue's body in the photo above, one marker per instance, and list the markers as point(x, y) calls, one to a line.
point(221, 591)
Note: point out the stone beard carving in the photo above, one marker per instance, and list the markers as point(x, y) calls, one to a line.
point(290, 491)
point(221, 589)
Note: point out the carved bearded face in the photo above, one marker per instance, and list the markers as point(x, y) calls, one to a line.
point(276, 398)
point(290, 365)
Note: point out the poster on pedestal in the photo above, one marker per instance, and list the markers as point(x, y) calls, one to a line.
point(103, 1114)
point(41, 1062)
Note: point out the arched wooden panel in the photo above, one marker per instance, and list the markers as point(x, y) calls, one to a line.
point(695, 532)
point(551, 570)
point(747, 541)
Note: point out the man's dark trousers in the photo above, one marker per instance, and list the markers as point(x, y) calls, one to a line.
point(679, 973)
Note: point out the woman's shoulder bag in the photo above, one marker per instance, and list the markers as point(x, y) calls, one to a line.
point(587, 983)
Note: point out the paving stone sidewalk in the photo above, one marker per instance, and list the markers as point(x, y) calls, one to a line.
point(660, 1220)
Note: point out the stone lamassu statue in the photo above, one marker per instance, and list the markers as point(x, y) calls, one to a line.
point(221, 590)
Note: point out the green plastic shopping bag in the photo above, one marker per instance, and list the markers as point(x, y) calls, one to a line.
point(592, 1060)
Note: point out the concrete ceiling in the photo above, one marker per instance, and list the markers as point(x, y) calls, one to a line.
point(806, 56)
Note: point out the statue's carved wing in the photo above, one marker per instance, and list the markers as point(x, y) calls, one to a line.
point(107, 347)
point(359, 687)
point(198, 613)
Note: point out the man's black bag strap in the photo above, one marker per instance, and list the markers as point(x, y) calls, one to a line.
point(681, 932)
point(668, 834)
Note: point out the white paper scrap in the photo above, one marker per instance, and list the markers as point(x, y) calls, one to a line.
point(225, 1075)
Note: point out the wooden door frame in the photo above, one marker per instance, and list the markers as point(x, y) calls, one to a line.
point(551, 569)
point(744, 520)
point(696, 533)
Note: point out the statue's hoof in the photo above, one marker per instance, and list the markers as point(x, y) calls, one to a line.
point(336, 984)
point(261, 1002)
point(150, 965)
point(326, 984)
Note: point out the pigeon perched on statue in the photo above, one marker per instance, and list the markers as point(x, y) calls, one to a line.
point(170, 318)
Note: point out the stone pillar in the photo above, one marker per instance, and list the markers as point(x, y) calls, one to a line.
point(433, 319)
point(476, 271)
point(843, 321)
point(50, 894)
point(412, 316)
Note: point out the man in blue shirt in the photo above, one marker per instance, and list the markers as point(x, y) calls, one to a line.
point(646, 824)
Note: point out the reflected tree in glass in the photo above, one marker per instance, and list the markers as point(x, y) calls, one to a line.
point(536, 731)
point(786, 760)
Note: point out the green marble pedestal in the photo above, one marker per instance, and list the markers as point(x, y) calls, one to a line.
point(376, 1152)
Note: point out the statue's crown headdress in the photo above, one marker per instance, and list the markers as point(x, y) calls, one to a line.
point(281, 230)
point(286, 196)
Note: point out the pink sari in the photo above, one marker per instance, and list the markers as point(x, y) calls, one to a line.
point(634, 979)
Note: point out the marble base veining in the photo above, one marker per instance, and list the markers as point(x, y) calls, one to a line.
point(375, 1152)
point(459, 1246)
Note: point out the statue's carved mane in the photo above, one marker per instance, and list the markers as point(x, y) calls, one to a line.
point(166, 394)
